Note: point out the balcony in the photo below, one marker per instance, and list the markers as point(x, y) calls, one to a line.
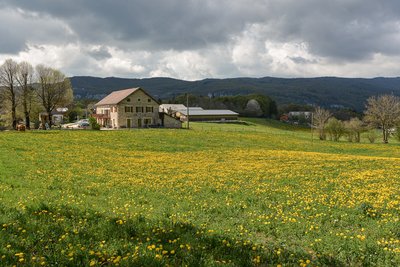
point(101, 116)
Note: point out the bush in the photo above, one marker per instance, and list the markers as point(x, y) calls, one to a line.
point(354, 127)
point(397, 133)
point(93, 124)
point(335, 129)
point(371, 136)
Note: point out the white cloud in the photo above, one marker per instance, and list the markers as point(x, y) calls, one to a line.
point(187, 65)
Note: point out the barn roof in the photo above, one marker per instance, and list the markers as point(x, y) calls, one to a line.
point(173, 106)
point(210, 112)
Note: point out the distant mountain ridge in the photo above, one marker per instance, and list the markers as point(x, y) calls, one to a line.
point(325, 91)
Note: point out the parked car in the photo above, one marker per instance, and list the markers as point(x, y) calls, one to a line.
point(83, 124)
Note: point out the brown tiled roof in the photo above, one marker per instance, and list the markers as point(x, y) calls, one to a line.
point(116, 97)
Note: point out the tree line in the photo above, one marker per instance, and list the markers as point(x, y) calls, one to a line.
point(381, 112)
point(24, 88)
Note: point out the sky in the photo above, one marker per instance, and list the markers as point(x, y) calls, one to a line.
point(197, 39)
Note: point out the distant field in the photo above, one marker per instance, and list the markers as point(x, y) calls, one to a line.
point(237, 195)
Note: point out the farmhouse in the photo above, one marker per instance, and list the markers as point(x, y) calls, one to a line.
point(132, 108)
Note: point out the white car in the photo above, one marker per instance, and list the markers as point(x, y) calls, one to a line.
point(81, 124)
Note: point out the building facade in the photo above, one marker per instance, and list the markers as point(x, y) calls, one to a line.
point(129, 108)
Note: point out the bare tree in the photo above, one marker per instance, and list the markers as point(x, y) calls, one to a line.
point(25, 81)
point(320, 117)
point(1, 106)
point(383, 111)
point(54, 89)
point(8, 82)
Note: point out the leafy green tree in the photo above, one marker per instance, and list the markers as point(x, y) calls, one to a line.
point(335, 129)
point(354, 127)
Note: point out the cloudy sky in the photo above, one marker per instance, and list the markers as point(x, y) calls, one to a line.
point(196, 39)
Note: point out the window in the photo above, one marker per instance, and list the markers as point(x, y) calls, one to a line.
point(128, 109)
point(147, 121)
point(128, 100)
point(139, 109)
point(149, 100)
point(138, 99)
point(149, 109)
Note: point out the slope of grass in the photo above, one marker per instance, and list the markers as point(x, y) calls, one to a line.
point(217, 194)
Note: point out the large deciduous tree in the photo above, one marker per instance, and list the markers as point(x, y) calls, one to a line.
point(25, 81)
point(335, 128)
point(8, 83)
point(320, 118)
point(54, 89)
point(383, 111)
point(354, 128)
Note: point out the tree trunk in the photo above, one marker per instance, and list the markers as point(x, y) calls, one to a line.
point(14, 117)
point(26, 113)
point(27, 121)
point(322, 135)
point(13, 108)
point(50, 120)
point(385, 135)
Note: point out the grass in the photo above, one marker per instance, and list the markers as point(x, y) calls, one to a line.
point(218, 194)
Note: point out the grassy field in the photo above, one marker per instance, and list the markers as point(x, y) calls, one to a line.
point(239, 195)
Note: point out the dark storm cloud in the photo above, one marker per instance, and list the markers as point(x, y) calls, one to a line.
point(18, 28)
point(167, 24)
point(343, 29)
point(346, 29)
point(248, 32)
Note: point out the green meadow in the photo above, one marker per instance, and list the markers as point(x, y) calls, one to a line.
point(254, 194)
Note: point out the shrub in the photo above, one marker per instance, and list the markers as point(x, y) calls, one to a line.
point(371, 136)
point(354, 127)
point(397, 133)
point(335, 129)
point(93, 124)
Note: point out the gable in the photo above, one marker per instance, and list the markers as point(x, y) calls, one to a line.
point(117, 96)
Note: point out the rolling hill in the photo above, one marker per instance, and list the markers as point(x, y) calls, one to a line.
point(324, 91)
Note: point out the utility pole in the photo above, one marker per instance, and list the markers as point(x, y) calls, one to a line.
point(187, 109)
point(312, 124)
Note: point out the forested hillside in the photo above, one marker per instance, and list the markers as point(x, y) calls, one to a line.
point(324, 91)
